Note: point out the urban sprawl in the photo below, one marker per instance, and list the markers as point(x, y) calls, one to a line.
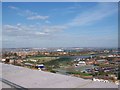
point(98, 64)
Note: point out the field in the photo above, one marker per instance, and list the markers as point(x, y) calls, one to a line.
point(40, 59)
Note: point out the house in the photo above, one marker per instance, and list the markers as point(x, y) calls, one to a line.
point(102, 61)
point(82, 63)
point(3, 60)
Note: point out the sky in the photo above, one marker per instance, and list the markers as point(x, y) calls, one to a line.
point(0, 25)
point(59, 24)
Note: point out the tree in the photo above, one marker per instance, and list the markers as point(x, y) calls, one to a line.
point(119, 75)
point(15, 54)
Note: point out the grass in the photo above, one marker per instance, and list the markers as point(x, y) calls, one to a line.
point(62, 60)
point(79, 73)
point(41, 59)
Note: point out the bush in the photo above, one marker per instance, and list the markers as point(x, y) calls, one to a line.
point(53, 71)
point(118, 75)
point(79, 73)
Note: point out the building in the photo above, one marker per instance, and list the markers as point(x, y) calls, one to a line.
point(102, 61)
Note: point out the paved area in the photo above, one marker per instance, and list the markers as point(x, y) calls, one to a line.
point(28, 78)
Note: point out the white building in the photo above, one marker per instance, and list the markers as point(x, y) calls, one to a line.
point(82, 62)
point(59, 50)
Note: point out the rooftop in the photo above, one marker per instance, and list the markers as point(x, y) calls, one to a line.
point(29, 78)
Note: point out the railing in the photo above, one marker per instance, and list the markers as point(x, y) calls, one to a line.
point(12, 85)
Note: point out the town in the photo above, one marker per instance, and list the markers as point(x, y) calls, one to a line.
point(56, 44)
point(98, 64)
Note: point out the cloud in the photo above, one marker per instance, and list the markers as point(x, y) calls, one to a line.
point(10, 28)
point(28, 14)
point(89, 16)
point(40, 33)
point(93, 15)
point(53, 28)
point(13, 7)
point(48, 22)
point(20, 30)
point(76, 6)
point(37, 17)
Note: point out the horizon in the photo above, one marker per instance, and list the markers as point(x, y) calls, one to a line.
point(63, 24)
point(60, 47)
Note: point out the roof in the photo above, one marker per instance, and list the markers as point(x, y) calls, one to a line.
point(102, 60)
point(29, 78)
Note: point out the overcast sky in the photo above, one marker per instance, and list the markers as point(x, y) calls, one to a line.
point(65, 24)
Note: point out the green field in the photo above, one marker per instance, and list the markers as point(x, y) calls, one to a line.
point(40, 59)
point(79, 73)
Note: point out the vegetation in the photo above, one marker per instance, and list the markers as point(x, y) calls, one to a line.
point(79, 73)
point(40, 59)
point(53, 71)
point(119, 76)
point(62, 61)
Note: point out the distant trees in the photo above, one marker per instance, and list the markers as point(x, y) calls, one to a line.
point(7, 60)
point(4, 55)
point(8, 54)
point(118, 75)
point(15, 54)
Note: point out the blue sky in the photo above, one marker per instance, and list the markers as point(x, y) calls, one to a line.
point(60, 24)
point(1, 25)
